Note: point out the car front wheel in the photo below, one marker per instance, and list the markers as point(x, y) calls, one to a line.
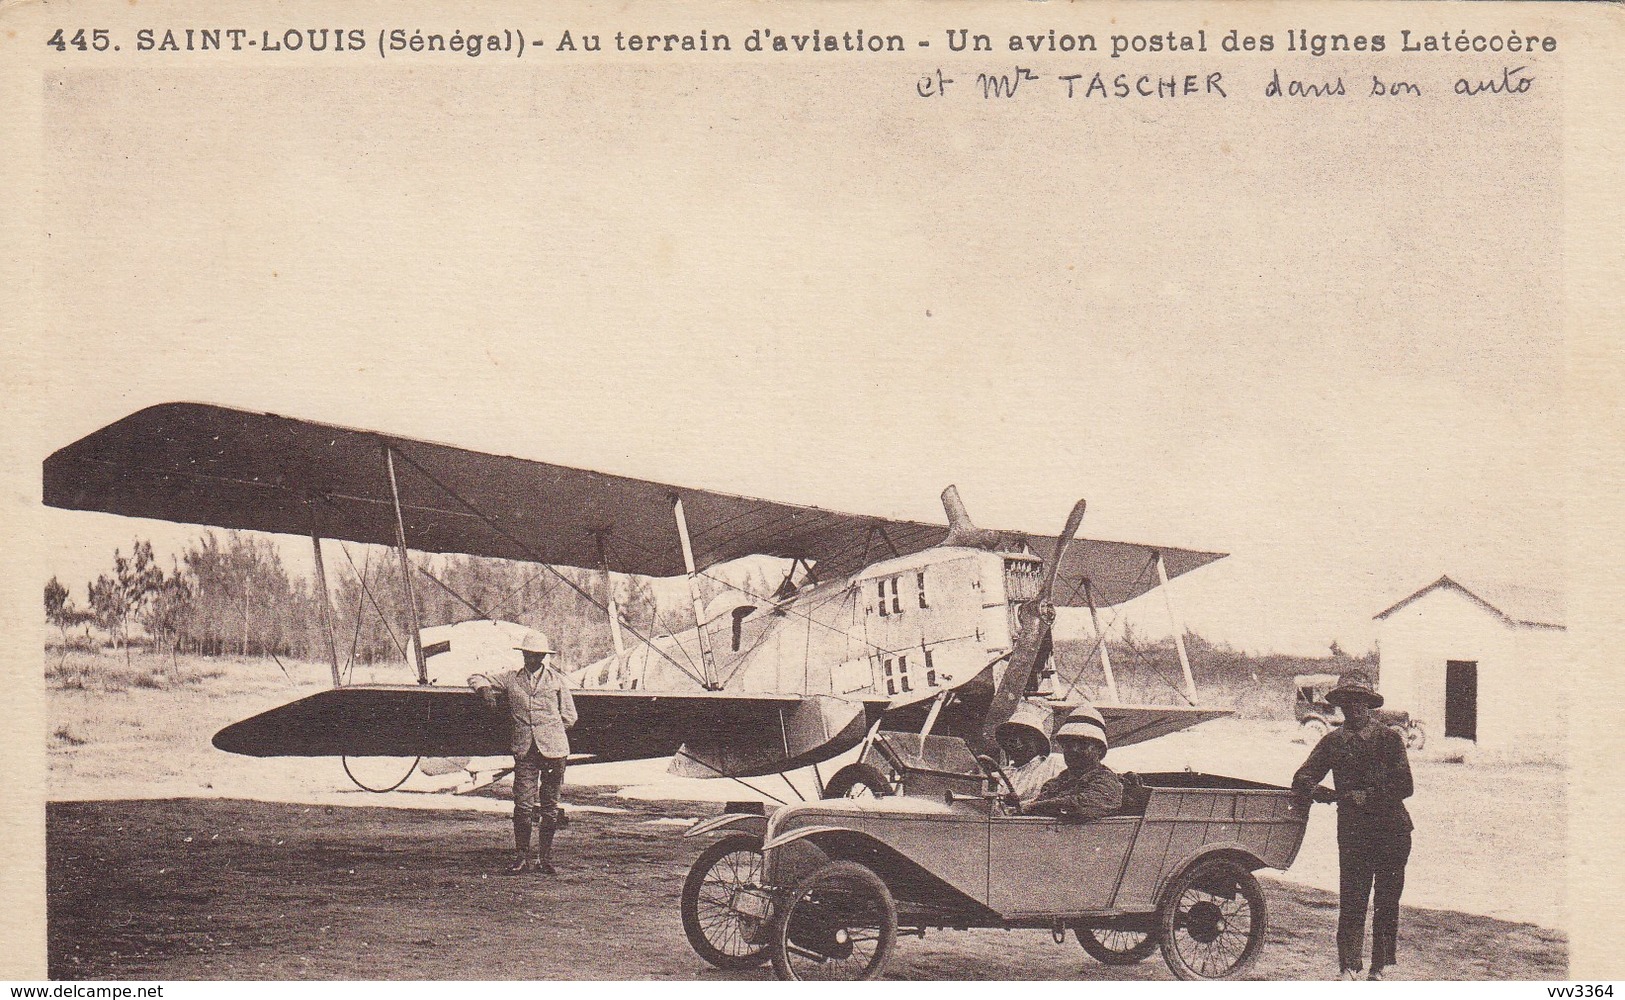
point(840, 923)
point(724, 907)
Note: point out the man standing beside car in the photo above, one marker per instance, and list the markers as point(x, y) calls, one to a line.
point(540, 709)
point(1372, 779)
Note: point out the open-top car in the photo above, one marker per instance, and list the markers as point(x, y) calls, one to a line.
point(823, 889)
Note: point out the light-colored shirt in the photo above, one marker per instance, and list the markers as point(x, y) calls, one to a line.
point(540, 708)
point(1028, 779)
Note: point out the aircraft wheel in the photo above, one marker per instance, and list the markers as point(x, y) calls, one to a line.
point(725, 910)
point(857, 781)
point(1213, 920)
point(841, 923)
point(1112, 946)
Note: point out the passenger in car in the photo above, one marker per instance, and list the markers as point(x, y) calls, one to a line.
point(1087, 789)
point(1029, 762)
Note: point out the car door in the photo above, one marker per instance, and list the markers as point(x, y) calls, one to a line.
point(1041, 865)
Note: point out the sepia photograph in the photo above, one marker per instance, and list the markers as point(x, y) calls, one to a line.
point(720, 491)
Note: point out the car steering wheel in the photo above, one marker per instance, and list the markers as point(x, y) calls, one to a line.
point(993, 769)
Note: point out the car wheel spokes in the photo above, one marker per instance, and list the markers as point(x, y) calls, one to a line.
point(1213, 931)
point(835, 929)
point(740, 871)
point(724, 905)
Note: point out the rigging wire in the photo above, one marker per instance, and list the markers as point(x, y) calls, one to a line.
point(607, 536)
point(360, 605)
point(465, 602)
point(788, 609)
point(382, 618)
point(1139, 656)
point(490, 523)
point(724, 774)
point(785, 777)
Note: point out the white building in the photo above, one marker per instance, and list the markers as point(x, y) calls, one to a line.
point(1484, 664)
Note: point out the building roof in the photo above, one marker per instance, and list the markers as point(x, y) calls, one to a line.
point(1515, 604)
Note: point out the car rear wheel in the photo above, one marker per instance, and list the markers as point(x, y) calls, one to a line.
point(1313, 729)
point(857, 781)
point(840, 923)
point(1113, 946)
point(1415, 736)
point(725, 909)
point(1213, 920)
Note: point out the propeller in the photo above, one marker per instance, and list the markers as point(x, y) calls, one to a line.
point(1033, 640)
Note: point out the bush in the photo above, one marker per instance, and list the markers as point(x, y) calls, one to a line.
point(1148, 673)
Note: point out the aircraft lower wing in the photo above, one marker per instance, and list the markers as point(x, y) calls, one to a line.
point(722, 734)
point(1127, 725)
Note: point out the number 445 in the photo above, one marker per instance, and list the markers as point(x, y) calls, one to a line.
point(97, 39)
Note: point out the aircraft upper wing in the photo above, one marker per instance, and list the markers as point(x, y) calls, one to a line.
point(197, 463)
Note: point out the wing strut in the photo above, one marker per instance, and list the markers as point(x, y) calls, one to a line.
point(1100, 637)
point(406, 571)
point(325, 606)
point(708, 663)
point(1179, 631)
point(612, 608)
point(539, 559)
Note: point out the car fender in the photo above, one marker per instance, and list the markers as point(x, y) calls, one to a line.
point(743, 822)
point(1231, 850)
point(802, 832)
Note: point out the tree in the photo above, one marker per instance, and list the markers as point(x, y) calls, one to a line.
point(117, 599)
point(167, 610)
point(241, 595)
point(56, 599)
point(59, 609)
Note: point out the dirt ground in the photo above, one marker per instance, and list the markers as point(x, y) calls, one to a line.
point(233, 889)
point(169, 859)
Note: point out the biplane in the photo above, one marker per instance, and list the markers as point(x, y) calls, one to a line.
point(878, 623)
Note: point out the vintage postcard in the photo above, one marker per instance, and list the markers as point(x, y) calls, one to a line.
point(949, 491)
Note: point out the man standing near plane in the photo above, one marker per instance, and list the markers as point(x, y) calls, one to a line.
point(540, 709)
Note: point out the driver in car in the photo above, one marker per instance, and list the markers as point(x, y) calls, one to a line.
point(1087, 789)
point(1029, 762)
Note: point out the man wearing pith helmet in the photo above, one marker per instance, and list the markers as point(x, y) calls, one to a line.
point(1372, 779)
point(540, 709)
point(1028, 760)
point(1087, 789)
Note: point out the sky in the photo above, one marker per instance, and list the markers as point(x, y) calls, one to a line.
point(1324, 339)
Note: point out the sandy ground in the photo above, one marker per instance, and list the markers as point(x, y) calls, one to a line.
point(170, 859)
point(231, 889)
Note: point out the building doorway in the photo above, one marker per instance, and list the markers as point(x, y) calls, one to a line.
point(1461, 699)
